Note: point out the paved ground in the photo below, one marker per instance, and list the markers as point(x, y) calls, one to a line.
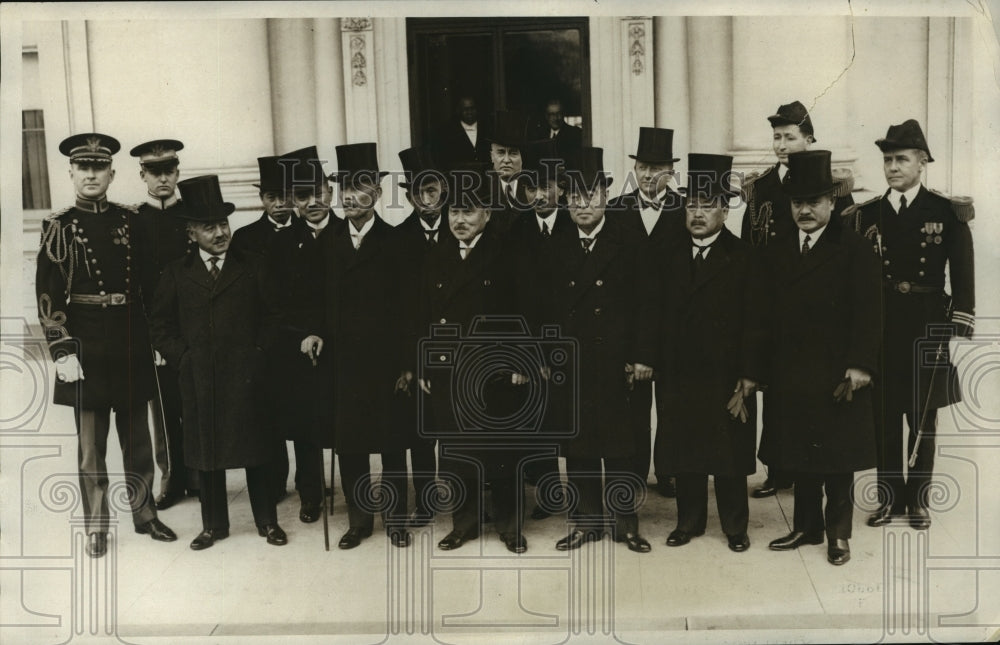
point(900, 584)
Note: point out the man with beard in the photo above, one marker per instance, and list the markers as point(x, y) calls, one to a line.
point(162, 226)
point(91, 309)
point(300, 406)
point(211, 317)
point(656, 210)
point(362, 275)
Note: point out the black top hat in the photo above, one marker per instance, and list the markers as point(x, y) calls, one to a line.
point(93, 147)
point(809, 174)
point(793, 113)
point(510, 128)
point(419, 163)
point(159, 152)
point(656, 145)
point(302, 168)
point(272, 174)
point(709, 175)
point(585, 169)
point(471, 187)
point(544, 162)
point(358, 163)
point(905, 135)
point(203, 197)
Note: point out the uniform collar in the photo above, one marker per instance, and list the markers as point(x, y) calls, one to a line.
point(911, 194)
point(92, 205)
point(161, 204)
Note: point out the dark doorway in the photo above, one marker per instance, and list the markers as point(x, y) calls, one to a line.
point(504, 63)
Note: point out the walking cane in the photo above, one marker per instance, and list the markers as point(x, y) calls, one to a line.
point(322, 479)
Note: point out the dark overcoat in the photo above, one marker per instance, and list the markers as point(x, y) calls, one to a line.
point(669, 228)
point(595, 298)
point(507, 212)
point(452, 146)
point(216, 332)
point(301, 400)
point(363, 326)
point(711, 331)
point(90, 250)
point(826, 317)
point(254, 237)
point(913, 251)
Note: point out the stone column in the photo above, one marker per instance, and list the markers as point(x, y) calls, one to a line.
point(670, 66)
point(293, 82)
point(360, 106)
point(328, 61)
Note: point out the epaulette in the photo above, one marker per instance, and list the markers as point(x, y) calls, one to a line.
point(846, 179)
point(129, 207)
point(747, 187)
point(961, 205)
point(57, 214)
point(854, 208)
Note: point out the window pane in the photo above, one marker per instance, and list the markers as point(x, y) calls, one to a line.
point(35, 177)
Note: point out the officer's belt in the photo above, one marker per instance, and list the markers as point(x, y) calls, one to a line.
point(904, 286)
point(95, 299)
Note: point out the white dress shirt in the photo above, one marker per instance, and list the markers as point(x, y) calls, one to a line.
point(706, 242)
point(593, 234)
point(895, 195)
point(316, 228)
point(206, 258)
point(782, 171)
point(430, 228)
point(549, 219)
point(813, 237)
point(471, 131)
point(464, 248)
point(358, 236)
point(288, 222)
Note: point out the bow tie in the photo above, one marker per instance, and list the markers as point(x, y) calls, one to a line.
point(646, 203)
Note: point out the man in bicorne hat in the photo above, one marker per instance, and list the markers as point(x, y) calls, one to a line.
point(594, 299)
point(917, 233)
point(825, 325)
point(212, 319)
point(163, 227)
point(711, 288)
point(361, 300)
point(91, 309)
point(656, 209)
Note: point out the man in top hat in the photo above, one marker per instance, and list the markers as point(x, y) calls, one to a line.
point(711, 287)
point(426, 189)
point(465, 278)
point(90, 306)
point(595, 300)
point(508, 141)
point(279, 208)
point(532, 236)
point(299, 408)
point(825, 349)
point(212, 319)
point(656, 209)
point(768, 213)
point(363, 275)
point(463, 138)
point(162, 226)
point(917, 233)
point(554, 126)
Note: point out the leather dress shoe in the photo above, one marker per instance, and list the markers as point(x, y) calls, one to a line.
point(769, 488)
point(680, 537)
point(274, 534)
point(514, 542)
point(353, 537)
point(838, 553)
point(157, 530)
point(634, 542)
point(539, 513)
point(208, 537)
point(309, 512)
point(738, 543)
point(400, 537)
point(419, 518)
point(794, 540)
point(166, 500)
point(455, 539)
point(920, 519)
point(577, 538)
point(97, 545)
point(666, 487)
point(882, 517)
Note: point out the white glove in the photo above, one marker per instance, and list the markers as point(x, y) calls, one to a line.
point(68, 369)
point(158, 360)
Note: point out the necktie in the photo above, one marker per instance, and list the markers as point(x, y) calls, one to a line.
point(464, 251)
point(316, 232)
point(356, 238)
point(902, 204)
point(431, 235)
point(510, 195)
point(587, 242)
point(546, 233)
point(805, 246)
point(214, 271)
point(699, 258)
